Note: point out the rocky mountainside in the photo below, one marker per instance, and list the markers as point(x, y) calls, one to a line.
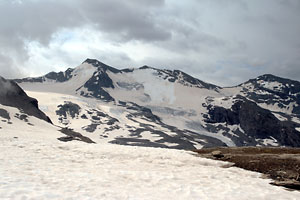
point(170, 109)
point(12, 95)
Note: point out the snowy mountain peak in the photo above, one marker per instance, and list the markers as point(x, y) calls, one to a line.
point(268, 77)
point(271, 82)
point(100, 65)
point(273, 93)
point(274, 84)
point(273, 78)
point(145, 67)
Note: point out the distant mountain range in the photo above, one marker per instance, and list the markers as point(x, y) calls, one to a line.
point(161, 108)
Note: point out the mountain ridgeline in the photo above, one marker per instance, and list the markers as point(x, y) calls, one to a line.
point(168, 108)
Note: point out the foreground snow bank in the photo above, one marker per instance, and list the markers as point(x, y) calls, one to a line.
point(37, 169)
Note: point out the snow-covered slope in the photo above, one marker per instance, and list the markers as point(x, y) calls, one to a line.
point(20, 116)
point(164, 108)
point(16, 124)
point(39, 168)
point(70, 81)
point(34, 164)
point(128, 123)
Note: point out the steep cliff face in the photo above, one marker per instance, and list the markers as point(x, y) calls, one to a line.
point(12, 95)
point(257, 123)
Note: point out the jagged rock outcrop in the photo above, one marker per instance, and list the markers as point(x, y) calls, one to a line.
point(256, 122)
point(12, 95)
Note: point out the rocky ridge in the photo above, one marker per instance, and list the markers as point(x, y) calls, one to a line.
point(260, 112)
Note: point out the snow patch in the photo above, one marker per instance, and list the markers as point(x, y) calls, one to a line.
point(268, 142)
point(280, 117)
point(296, 119)
point(149, 136)
point(276, 108)
point(275, 86)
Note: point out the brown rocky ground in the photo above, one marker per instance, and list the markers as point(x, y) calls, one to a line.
point(280, 164)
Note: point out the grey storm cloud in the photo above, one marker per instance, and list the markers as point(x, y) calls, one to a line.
point(130, 20)
point(38, 20)
point(221, 41)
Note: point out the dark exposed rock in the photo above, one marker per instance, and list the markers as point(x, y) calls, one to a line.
point(99, 118)
point(66, 138)
point(122, 103)
point(142, 112)
point(12, 95)
point(288, 93)
point(22, 117)
point(111, 128)
point(127, 70)
point(291, 184)
point(191, 80)
point(91, 128)
point(221, 115)
point(83, 116)
point(101, 65)
point(72, 135)
point(95, 118)
point(68, 108)
point(256, 122)
point(217, 154)
point(31, 80)
point(56, 76)
point(145, 67)
point(96, 84)
point(4, 114)
point(112, 121)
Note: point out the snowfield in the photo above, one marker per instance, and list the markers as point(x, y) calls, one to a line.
point(37, 168)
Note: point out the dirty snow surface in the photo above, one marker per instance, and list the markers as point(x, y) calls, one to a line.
point(36, 168)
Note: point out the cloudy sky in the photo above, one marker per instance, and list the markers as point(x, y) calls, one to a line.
point(224, 42)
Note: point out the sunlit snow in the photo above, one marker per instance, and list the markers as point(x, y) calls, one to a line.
point(35, 168)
